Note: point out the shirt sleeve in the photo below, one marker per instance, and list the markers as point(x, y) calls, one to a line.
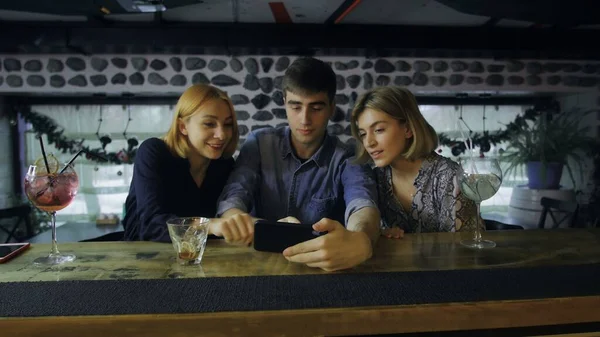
point(150, 193)
point(465, 210)
point(455, 207)
point(244, 179)
point(360, 188)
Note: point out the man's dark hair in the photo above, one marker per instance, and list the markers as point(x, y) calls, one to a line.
point(307, 75)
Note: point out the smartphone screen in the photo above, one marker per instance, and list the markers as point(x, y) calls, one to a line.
point(5, 250)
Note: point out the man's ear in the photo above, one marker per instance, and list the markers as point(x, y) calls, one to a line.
point(181, 126)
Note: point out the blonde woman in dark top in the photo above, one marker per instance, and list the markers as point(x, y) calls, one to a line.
point(418, 189)
point(183, 173)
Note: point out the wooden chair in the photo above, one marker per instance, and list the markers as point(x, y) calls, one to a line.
point(492, 225)
point(552, 207)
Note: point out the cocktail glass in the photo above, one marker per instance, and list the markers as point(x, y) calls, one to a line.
point(480, 180)
point(188, 236)
point(51, 192)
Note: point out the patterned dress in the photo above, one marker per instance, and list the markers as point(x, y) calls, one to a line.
point(437, 206)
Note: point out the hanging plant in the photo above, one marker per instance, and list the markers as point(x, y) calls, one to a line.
point(44, 125)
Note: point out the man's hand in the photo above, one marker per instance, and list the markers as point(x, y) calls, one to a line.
point(338, 249)
point(237, 228)
point(289, 219)
point(394, 232)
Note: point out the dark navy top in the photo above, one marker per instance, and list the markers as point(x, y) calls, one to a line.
point(163, 188)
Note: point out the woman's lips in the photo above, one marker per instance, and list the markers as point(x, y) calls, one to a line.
point(376, 154)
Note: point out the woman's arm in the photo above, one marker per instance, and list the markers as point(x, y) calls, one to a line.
point(456, 211)
point(150, 170)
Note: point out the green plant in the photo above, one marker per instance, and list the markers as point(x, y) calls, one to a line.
point(553, 137)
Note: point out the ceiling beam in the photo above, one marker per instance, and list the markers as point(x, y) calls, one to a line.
point(491, 22)
point(498, 42)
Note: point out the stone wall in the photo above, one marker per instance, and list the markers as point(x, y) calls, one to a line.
point(253, 82)
point(162, 74)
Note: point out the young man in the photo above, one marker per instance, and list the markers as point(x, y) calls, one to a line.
point(301, 174)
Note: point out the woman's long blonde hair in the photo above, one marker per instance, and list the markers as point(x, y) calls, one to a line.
point(400, 104)
point(190, 102)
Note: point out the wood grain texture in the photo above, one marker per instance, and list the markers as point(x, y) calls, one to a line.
point(418, 252)
point(321, 322)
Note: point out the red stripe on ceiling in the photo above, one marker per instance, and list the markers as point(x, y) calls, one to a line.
point(347, 11)
point(280, 14)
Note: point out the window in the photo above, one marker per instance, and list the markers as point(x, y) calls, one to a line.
point(444, 119)
point(104, 187)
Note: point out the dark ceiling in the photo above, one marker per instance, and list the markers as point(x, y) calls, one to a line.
point(466, 28)
point(569, 13)
point(566, 13)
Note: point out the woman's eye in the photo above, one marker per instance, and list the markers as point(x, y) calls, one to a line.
point(209, 125)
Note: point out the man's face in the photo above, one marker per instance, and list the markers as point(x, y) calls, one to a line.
point(307, 117)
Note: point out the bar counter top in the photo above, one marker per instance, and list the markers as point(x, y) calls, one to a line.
point(422, 283)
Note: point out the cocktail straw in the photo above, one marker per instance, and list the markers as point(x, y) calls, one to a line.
point(468, 145)
point(44, 154)
point(70, 161)
point(77, 155)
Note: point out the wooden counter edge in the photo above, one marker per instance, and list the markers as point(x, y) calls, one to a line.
point(319, 322)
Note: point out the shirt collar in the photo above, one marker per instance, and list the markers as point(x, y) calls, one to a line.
point(321, 157)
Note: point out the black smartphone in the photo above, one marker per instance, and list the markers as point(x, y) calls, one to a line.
point(273, 236)
point(10, 250)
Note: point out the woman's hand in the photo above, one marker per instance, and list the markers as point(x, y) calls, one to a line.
point(393, 233)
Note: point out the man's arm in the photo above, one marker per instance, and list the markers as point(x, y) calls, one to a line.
point(235, 226)
point(345, 247)
point(360, 189)
point(366, 220)
point(239, 191)
point(237, 197)
point(360, 194)
point(340, 248)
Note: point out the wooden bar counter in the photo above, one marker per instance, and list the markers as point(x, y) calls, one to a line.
point(414, 253)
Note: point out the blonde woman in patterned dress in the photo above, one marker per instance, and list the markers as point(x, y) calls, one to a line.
point(418, 188)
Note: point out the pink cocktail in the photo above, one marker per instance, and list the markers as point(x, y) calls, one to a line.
point(51, 192)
